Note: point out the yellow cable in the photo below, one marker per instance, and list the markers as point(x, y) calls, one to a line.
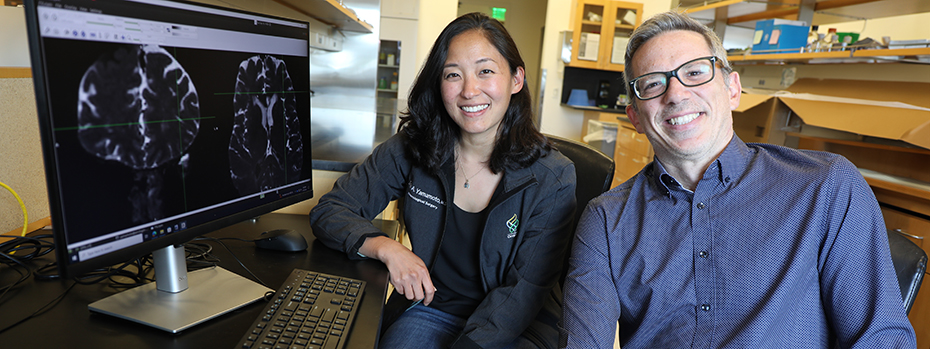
point(21, 205)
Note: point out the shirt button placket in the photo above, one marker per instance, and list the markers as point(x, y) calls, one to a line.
point(705, 278)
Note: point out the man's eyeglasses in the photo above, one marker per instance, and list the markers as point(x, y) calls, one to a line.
point(695, 72)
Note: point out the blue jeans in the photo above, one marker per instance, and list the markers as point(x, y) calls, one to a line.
point(423, 327)
point(427, 328)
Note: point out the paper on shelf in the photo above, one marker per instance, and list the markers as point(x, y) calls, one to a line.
point(619, 50)
point(588, 46)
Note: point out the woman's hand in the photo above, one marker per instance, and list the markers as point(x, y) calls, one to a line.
point(409, 274)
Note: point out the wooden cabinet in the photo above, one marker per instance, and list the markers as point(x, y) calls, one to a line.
point(631, 153)
point(601, 30)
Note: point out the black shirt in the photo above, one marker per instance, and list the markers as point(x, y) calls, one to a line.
point(457, 275)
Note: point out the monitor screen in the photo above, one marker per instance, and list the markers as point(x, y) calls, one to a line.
point(162, 121)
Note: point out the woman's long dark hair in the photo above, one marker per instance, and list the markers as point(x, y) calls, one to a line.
point(430, 131)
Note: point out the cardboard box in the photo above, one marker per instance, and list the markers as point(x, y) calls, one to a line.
point(779, 36)
point(840, 109)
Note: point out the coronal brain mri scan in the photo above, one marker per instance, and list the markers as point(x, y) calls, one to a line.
point(137, 106)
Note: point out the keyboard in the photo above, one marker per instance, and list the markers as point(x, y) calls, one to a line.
point(310, 310)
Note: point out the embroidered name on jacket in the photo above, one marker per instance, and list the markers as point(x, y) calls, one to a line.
point(512, 225)
point(424, 198)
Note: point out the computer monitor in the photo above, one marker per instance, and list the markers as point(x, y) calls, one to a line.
point(162, 121)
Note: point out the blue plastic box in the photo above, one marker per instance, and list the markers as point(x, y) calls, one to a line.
point(779, 36)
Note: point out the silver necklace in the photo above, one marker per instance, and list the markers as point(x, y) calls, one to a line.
point(467, 178)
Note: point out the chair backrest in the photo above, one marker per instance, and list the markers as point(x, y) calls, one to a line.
point(594, 172)
point(910, 264)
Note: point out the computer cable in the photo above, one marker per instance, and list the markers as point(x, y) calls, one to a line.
point(138, 275)
point(220, 241)
point(143, 266)
point(33, 247)
point(41, 309)
point(19, 267)
point(198, 256)
point(198, 251)
point(21, 205)
point(135, 270)
point(47, 272)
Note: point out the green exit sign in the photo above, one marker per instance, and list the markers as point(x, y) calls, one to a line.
point(499, 13)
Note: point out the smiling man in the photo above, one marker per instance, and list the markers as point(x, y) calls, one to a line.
point(723, 244)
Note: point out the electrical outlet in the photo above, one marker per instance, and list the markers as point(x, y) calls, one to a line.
point(326, 41)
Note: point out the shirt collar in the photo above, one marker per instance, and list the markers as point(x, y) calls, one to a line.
point(729, 166)
point(663, 181)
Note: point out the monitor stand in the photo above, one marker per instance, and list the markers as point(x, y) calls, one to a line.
point(170, 305)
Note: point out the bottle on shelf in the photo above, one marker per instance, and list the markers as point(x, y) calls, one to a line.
point(382, 57)
point(812, 39)
point(390, 59)
point(828, 40)
point(847, 40)
point(382, 83)
point(394, 82)
point(820, 44)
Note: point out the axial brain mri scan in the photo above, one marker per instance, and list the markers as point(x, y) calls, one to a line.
point(263, 155)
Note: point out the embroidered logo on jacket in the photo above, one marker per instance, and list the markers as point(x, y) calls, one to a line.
point(424, 198)
point(512, 224)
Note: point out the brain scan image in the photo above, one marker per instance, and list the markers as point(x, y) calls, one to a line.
point(266, 146)
point(138, 106)
point(143, 89)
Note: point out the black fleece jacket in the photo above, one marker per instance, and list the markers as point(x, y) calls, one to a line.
point(525, 237)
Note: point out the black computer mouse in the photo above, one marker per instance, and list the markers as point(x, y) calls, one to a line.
point(282, 240)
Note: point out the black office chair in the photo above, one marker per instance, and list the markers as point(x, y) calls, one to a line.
point(594, 172)
point(910, 264)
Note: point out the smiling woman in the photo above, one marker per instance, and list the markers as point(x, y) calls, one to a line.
point(476, 87)
point(489, 202)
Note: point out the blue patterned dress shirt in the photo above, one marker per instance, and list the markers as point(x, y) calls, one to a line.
point(775, 248)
